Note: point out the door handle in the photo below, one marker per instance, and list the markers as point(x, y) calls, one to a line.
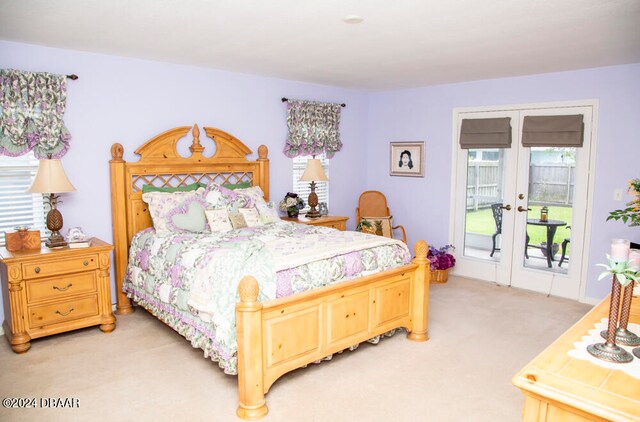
point(506, 207)
point(522, 209)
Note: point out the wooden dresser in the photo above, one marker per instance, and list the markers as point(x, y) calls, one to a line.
point(558, 387)
point(50, 291)
point(333, 221)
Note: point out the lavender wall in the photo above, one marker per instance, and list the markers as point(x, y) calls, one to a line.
point(422, 205)
point(129, 101)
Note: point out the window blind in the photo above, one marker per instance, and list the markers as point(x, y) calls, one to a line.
point(553, 131)
point(303, 189)
point(485, 133)
point(17, 206)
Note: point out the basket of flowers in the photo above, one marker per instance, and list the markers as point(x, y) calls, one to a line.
point(441, 260)
point(292, 204)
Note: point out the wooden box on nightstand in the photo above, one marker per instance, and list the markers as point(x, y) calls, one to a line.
point(51, 291)
point(333, 221)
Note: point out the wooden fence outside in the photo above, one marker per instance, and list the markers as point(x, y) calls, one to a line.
point(549, 184)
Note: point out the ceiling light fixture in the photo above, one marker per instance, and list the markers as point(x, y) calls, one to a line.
point(352, 19)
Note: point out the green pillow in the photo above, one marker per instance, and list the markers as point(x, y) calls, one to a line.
point(169, 189)
point(241, 185)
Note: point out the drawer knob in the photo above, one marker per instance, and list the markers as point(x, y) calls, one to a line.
point(85, 263)
point(63, 289)
point(63, 314)
point(37, 270)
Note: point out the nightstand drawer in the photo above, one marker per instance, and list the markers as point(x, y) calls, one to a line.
point(62, 266)
point(59, 287)
point(63, 311)
point(338, 225)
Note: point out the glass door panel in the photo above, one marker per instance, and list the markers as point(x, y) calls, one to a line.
point(550, 202)
point(484, 204)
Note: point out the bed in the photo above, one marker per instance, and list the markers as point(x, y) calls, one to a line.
point(326, 320)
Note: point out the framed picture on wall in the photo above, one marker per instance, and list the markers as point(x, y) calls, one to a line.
point(407, 159)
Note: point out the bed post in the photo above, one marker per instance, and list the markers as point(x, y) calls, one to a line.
point(251, 402)
point(263, 161)
point(118, 217)
point(420, 306)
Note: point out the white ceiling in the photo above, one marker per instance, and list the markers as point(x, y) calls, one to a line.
point(400, 44)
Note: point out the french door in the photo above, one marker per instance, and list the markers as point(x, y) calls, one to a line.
point(520, 213)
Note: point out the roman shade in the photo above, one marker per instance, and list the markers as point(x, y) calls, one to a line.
point(485, 133)
point(553, 131)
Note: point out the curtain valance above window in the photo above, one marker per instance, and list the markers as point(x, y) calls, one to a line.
point(313, 128)
point(32, 106)
point(485, 133)
point(553, 131)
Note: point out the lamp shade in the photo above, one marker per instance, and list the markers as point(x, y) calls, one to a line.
point(50, 178)
point(314, 171)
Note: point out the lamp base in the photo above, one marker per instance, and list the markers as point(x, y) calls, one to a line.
point(313, 201)
point(56, 240)
point(313, 213)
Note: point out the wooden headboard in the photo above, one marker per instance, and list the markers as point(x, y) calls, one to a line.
point(160, 164)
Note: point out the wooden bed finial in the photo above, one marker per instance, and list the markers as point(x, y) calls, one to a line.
point(420, 249)
point(248, 289)
point(117, 150)
point(263, 151)
point(195, 147)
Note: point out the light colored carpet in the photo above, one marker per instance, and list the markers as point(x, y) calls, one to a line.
point(481, 335)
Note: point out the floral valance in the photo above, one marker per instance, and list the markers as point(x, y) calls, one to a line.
point(313, 128)
point(31, 111)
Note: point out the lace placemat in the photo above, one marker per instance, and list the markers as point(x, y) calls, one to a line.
point(580, 350)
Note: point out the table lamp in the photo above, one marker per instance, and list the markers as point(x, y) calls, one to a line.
point(312, 173)
point(52, 179)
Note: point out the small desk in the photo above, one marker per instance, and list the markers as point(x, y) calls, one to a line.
point(552, 226)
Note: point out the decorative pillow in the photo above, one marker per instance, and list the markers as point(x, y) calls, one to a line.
point(218, 220)
point(251, 216)
point(237, 220)
point(170, 189)
point(254, 193)
point(379, 225)
point(217, 196)
point(221, 197)
point(240, 185)
point(268, 212)
point(177, 211)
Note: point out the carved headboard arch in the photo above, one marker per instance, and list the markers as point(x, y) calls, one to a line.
point(160, 164)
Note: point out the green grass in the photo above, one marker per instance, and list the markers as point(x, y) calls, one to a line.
point(482, 222)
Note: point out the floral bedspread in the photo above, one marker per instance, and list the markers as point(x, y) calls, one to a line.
point(190, 280)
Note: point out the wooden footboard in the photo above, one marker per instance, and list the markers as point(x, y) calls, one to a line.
point(324, 321)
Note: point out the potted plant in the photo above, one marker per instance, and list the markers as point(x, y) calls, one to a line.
point(292, 204)
point(441, 260)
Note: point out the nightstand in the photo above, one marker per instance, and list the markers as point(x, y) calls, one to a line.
point(333, 221)
point(51, 291)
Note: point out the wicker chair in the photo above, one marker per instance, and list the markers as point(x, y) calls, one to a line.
point(374, 204)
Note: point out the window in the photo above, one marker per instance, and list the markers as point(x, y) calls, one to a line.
point(303, 189)
point(17, 206)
